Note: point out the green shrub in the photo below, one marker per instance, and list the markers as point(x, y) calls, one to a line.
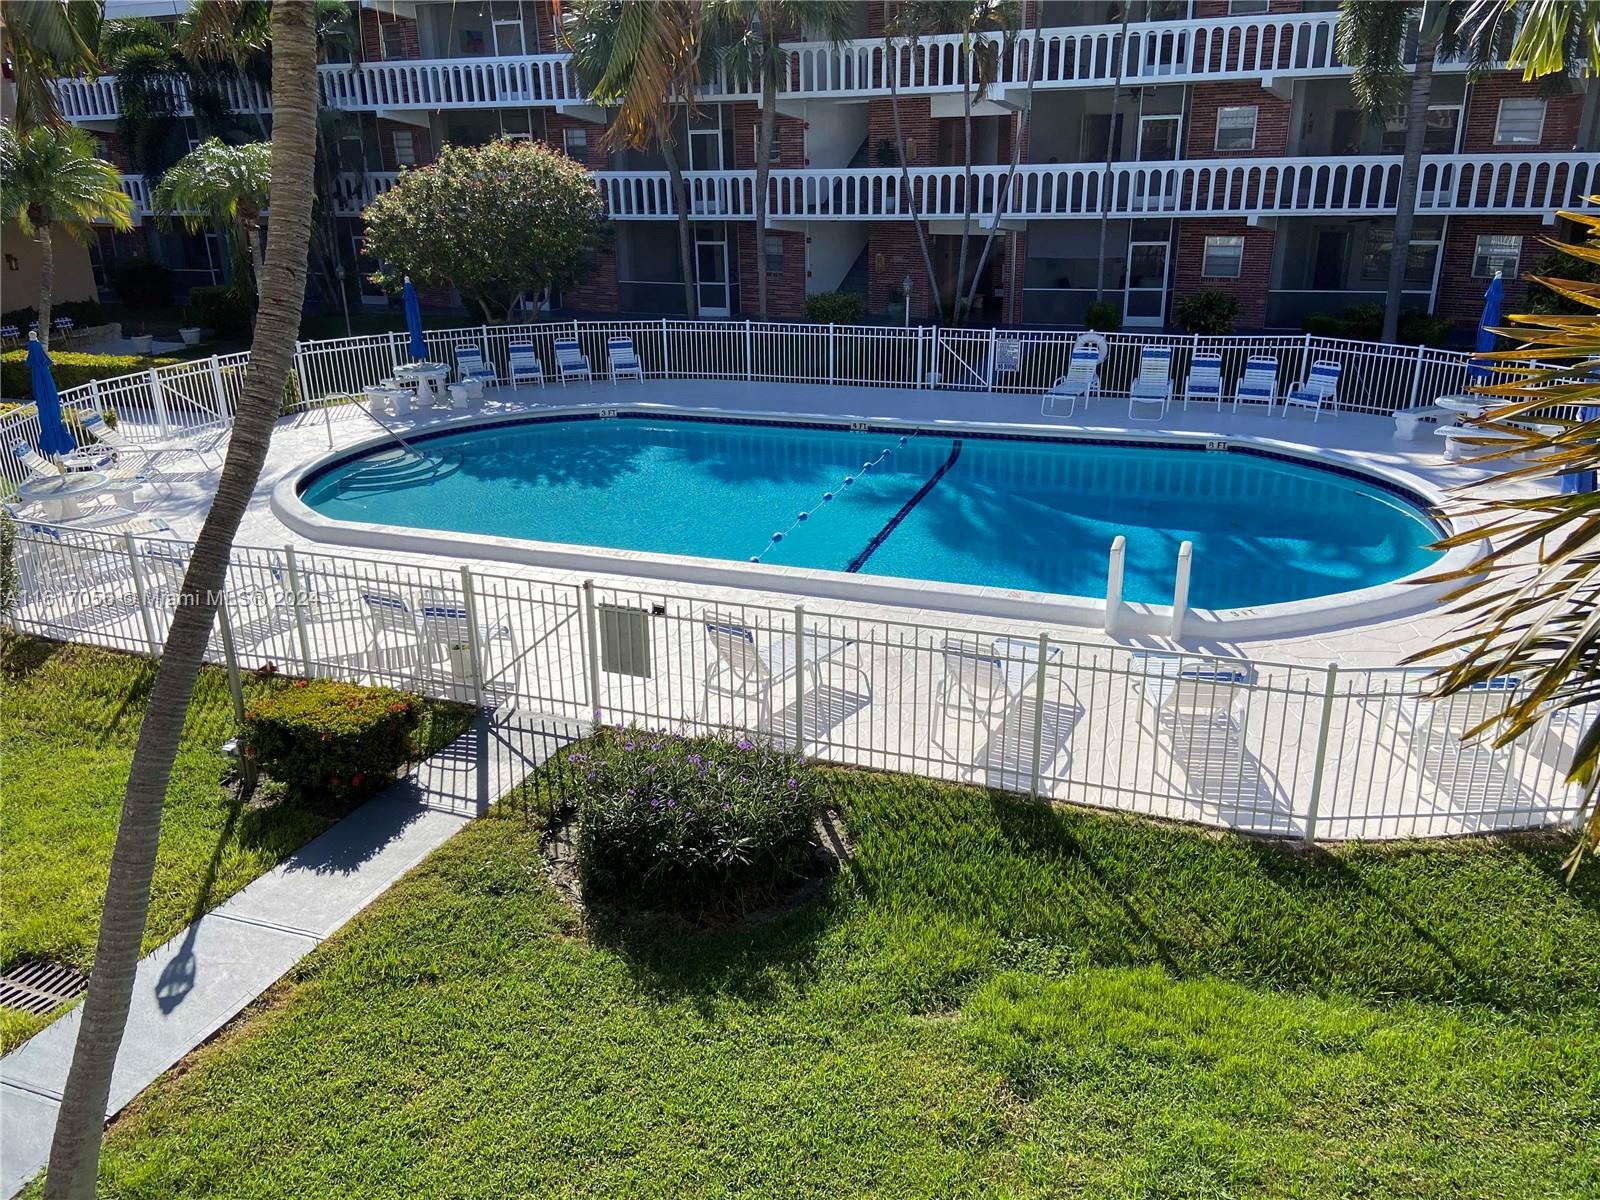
point(1423, 329)
point(83, 313)
point(140, 283)
point(668, 821)
point(326, 738)
point(222, 310)
point(1103, 316)
point(835, 308)
point(71, 369)
point(1207, 311)
point(1364, 322)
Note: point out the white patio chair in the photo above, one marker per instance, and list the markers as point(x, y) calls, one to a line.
point(1204, 381)
point(64, 326)
point(1080, 383)
point(623, 360)
point(571, 362)
point(981, 685)
point(1154, 383)
point(1187, 691)
point(1319, 389)
point(471, 365)
point(1259, 383)
point(105, 436)
point(444, 625)
point(10, 334)
point(389, 616)
point(525, 364)
point(740, 668)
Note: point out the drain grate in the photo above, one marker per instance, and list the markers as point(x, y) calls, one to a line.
point(39, 986)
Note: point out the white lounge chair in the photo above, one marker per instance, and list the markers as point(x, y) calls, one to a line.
point(64, 326)
point(1204, 381)
point(981, 685)
point(525, 364)
point(742, 669)
point(107, 437)
point(120, 479)
point(1188, 690)
point(471, 365)
point(1259, 383)
point(623, 360)
point(1154, 383)
point(570, 361)
point(1080, 383)
point(1319, 389)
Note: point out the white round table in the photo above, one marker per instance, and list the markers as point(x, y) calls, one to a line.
point(61, 494)
point(429, 377)
point(1467, 406)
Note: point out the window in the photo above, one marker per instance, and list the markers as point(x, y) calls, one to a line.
point(394, 41)
point(1247, 8)
point(1421, 254)
point(405, 148)
point(1224, 258)
point(774, 252)
point(755, 146)
point(1496, 252)
point(1236, 127)
point(576, 143)
point(1438, 138)
point(1520, 123)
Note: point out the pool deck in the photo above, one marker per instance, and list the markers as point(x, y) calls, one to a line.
point(1358, 440)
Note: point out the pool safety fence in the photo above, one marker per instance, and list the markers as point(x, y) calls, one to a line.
point(1269, 748)
point(190, 399)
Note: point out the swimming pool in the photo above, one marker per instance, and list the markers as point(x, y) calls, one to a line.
point(1000, 512)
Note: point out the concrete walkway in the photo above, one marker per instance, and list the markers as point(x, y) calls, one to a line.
point(200, 980)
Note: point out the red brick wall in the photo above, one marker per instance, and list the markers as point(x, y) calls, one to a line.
point(916, 126)
point(599, 292)
point(1461, 295)
point(556, 123)
point(372, 23)
point(786, 287)
point(892, 254)
point(788, 132)
point(1250, 289)
point(1272, 120)
point(1562, 115)
point(421, 140)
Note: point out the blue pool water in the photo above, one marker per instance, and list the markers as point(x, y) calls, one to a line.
point(1004, 512)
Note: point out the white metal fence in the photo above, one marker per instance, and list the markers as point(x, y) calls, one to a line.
point(1265, 747)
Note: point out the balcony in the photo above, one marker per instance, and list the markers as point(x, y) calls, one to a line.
point(1268, 48)
point(1251, 188)
point(96, 99)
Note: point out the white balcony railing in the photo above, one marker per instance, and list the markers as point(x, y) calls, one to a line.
point(96, 99)
point(1220, 48)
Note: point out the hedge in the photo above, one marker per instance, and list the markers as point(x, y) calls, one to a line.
point(71, 369)
point(326, 738)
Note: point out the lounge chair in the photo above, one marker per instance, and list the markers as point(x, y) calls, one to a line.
point(64, 326)
point(982, 684)
point(741, 668)
point(1259, 383)
point(10, 334)
point(623, 360)
point(470, 365)
point(1080, 383)
point(1187, 690)
point(525, 364)
point(106, 437)
point(1154, 383)
point(1319, 389)
point(120, 479)
point(570, 361)
point(1204, 381)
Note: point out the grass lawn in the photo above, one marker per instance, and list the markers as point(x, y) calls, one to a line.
point(994, 999)
point(70, 715)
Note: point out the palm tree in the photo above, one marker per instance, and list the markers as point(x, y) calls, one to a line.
point(643, 56)
point(41, 41)
point(75, 1149)
point(749, 36)
point(51, 180)
point(1551, 37)
point(1531, 606)
point(977, 21)
point(224, 187)
point(1372, 39)
point(891, 68)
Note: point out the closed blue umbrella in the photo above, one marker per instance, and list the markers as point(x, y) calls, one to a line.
point(55, 439)
point(1487, 339)
point(419, 348)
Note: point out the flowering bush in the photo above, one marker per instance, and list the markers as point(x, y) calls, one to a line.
point(668, 820)
point(329, 738)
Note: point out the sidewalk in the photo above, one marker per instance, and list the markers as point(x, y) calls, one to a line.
point(190, 987)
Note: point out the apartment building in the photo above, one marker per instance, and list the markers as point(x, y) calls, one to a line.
point(1238, 160)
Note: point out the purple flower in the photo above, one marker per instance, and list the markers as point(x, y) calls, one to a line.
point(591, 776)
point(694, 760)
point(627, 745)
point(672, 804)
point(793, 783)
point(746, 744)
point(655, 802)
point(724, 806)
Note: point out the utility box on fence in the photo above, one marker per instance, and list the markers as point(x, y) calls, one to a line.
point(624, 640)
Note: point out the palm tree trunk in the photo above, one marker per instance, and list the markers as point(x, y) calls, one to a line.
point(1024, 120)
point(1111, 146)
point(1405, 212)
point(75, 1149)
point(47, 280)
point(957, 317)
point(680, 201)
point(769, 121)
point(891, 64)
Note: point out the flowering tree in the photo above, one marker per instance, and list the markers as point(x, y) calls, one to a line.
point(499, 222)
